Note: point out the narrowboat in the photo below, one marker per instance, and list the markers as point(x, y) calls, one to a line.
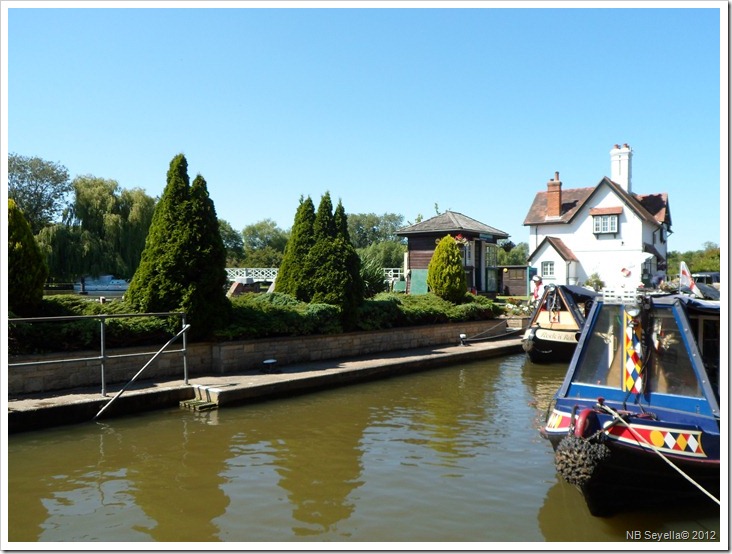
point(556, 322)
point(103, 283)
point(636, 421)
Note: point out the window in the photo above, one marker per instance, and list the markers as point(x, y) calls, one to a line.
point(605, 224)
point(602, 356)
point(670, 368)
point(468, 254)
point(547, 269)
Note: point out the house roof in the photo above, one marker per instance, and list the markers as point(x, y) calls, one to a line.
point(558, 244)
point(451, 222)
point(649, 207)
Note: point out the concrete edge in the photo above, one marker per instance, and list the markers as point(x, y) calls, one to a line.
point(281, 385)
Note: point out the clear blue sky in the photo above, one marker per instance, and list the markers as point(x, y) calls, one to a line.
point(390, 110)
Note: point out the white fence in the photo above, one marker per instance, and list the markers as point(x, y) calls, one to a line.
point(268, 274)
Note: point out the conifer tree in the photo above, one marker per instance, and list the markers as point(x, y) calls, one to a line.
point(204, 298)
point(290, 276)
point(155, 287)
point(333, 265)
point(324, 227)
point(27, 269)
point(183, 264)
point(353, 286)
point(445, 273)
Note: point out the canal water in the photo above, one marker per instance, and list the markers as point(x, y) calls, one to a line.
point(449, 455)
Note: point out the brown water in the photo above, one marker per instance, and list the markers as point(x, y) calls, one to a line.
point(446, 455)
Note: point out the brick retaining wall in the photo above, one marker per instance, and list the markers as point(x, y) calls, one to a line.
point(232, 356)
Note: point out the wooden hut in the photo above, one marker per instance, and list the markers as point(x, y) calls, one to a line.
point(480, 256)
point(515, 280)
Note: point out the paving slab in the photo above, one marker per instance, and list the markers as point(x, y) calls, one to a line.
point(36, 411)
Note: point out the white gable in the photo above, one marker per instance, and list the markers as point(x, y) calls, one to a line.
point(615, 252)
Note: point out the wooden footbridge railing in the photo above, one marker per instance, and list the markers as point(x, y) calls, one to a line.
point(268, 274)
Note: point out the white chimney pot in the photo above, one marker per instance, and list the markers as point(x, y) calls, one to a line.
point(621, 166)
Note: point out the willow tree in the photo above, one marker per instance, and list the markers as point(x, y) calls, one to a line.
point(445, 272)
point(27, 269)
point(290, 276)
point(183, 264)
point(103, 231)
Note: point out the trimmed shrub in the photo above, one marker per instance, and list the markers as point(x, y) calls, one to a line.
point(445, 272)
point(62, 336)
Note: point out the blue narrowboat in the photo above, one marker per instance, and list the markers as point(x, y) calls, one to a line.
point(636, 421)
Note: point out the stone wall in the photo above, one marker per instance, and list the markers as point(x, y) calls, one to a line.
point(82, 369)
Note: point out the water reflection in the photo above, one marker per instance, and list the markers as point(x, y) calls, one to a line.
point(564, 517)
point(446, 455)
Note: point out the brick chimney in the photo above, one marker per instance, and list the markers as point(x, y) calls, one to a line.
point(554, 197)
point(620, 166)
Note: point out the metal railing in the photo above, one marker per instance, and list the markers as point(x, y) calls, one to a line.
point(393, 273)
point(103, 356)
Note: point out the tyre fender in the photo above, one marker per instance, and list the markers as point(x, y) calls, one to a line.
point(585, 422)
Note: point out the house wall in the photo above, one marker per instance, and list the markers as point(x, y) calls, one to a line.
point(605, 254)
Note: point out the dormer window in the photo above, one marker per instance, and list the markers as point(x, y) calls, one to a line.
point(605, 224)
point(605, 220)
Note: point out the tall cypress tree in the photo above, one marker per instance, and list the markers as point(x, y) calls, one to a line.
point(204, 298)
point(27, 270)
point(333, 264)
point(290, 276)
point(183, 264)
point(324, 227)
point(352, 286)
point(155, 287)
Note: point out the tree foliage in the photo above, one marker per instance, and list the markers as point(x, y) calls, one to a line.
point(38, 187)
point(384, 254)
point(27, 270)
point(104, 231)
point(445, 273)
point(182, 266)
point(264, 244)
point(290, 277)
point(233, 243)
point(518, 255)
point(368, 229)
point(320, 264)
point(706, 259)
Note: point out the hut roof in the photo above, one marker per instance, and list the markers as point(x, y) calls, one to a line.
point(452, 222)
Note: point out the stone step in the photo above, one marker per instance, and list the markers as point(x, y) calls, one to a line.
point(198, 405)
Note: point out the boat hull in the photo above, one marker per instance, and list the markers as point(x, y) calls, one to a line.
point(632, 478)
point(549, 345)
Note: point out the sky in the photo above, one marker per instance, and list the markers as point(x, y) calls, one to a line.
point(405, 108)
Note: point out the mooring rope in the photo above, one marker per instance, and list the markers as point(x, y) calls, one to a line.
point(484, 332)
point(639, 437)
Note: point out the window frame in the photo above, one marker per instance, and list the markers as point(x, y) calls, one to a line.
point(605, 224)
point(547, 269)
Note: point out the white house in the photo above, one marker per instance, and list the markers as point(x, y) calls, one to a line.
point(607, 229)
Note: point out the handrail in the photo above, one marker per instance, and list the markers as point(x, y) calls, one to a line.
point(151, 360)
point(103, 356)
point(270, 273)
